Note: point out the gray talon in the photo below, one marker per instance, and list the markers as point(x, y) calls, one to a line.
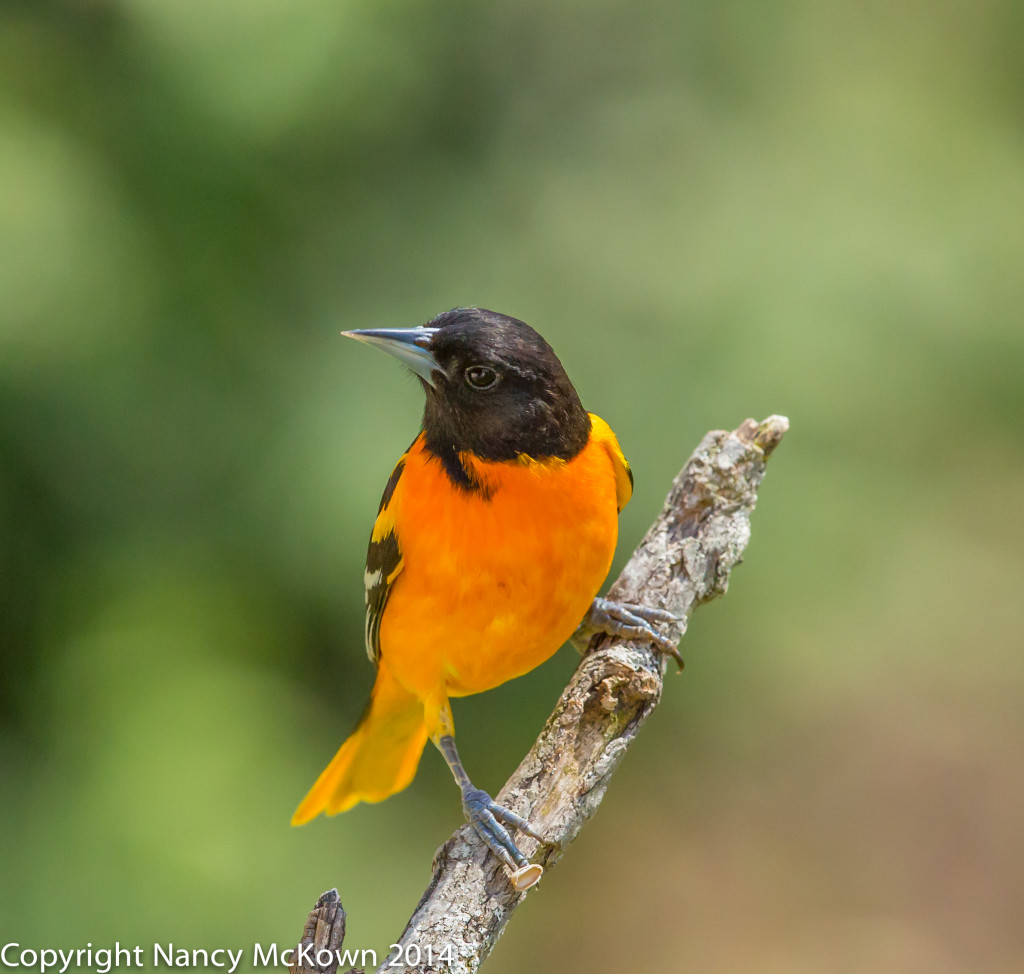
point(516, 821)
point(486, 817)
point(489, 818)
point(629, 621)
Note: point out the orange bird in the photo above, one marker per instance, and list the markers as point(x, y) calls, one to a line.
point(496, 529)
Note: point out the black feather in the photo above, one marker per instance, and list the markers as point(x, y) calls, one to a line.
point(533, 409)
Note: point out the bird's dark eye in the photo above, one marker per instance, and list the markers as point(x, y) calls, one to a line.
point(481, 377)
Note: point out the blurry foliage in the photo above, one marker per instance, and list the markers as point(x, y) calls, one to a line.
point(711, 211)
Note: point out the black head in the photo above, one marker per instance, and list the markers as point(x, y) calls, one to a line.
point(494, 387)
point(501, 390)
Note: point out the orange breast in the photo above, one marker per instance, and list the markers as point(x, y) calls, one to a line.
point(491, 588)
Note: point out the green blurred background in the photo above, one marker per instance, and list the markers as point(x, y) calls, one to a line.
point(712, 211)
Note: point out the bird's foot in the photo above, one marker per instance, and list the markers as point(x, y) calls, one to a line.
point(487, 818)
point(629, 621)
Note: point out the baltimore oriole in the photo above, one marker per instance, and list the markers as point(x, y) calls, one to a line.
point(494, 534)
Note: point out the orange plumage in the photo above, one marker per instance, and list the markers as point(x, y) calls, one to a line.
point(491, 582)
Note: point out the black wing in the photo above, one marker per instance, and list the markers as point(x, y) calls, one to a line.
point(383, 563)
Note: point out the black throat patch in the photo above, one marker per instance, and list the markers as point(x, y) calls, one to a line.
point(455, 470)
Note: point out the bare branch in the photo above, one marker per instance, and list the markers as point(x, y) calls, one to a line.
point(322, 937)
point(684, 560)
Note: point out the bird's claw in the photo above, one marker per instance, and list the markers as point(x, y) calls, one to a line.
point(489, 820)
point(629, 621)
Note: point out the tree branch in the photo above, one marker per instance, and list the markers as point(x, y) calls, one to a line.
point(683, 561)
point(319, 950)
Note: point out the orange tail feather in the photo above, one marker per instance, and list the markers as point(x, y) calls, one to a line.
point(378, 759)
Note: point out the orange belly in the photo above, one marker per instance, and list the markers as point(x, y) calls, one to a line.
point(492, 588)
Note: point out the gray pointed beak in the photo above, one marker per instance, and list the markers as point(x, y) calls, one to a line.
point(411, 346)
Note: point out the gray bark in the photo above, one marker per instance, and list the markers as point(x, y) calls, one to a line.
point(685, 559)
